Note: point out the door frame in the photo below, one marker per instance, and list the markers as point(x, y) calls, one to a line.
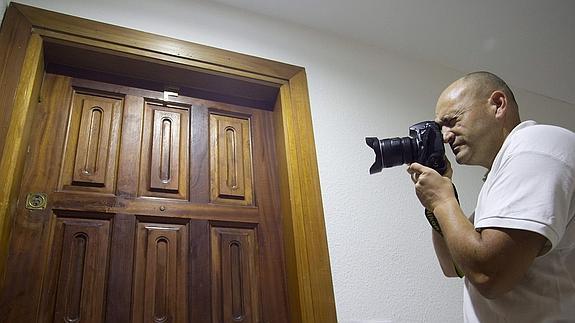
point(24, 34)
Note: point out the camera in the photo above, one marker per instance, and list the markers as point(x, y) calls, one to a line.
point(424, 145)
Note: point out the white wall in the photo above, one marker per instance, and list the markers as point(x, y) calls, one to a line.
point(3, 5)
point(382, 261)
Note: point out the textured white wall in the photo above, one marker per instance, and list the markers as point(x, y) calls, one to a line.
point(3, 5)
point(383, 265)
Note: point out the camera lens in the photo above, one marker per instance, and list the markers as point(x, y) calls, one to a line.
point(391, 152)
point(396, 151)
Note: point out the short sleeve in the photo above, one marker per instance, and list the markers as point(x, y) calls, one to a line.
point(531, 191)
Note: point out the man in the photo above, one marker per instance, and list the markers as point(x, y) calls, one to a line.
point(517, 250)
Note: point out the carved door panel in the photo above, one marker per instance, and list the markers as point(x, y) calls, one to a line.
point(157, 211)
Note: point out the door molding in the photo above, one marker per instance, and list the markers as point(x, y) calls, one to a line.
point(30, 37)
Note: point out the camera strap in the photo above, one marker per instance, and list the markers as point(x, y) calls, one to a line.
point(433, 220)
point(435, 225)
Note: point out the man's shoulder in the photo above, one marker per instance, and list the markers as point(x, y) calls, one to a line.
point(543, 135)
point(543, 139)
point(530, 128)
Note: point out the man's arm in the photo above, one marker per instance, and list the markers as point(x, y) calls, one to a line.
point(493, 259)
point(443, 256)
point(441, 251)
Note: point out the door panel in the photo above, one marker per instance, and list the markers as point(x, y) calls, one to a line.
point(234, 275)
point(231, 160)
point(92, 145)
point(160, 273)
point(164, 160)
point(82, 246)
point(157, 211)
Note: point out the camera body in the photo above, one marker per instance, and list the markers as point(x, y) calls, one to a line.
point(424, 145)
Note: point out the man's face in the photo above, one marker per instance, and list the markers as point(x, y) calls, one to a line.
point(467, 125)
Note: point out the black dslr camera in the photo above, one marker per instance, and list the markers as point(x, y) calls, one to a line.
point(424, 145)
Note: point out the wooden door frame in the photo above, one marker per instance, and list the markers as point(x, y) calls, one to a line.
point(24, 33)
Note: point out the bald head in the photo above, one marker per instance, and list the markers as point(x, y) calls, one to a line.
point(480, 87)
point(484, 83)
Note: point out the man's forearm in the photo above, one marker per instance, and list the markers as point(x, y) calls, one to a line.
point(443, 256)
point(459, 236)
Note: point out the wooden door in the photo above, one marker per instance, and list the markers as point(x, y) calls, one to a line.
point(159, 209)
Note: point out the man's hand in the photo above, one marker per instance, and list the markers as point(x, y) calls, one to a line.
point(431, 188)
point(448, 170)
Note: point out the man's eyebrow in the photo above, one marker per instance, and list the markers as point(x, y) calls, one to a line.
point(445, 118)
point(452, 115)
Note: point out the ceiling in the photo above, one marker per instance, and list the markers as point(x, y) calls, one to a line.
point(529, 43)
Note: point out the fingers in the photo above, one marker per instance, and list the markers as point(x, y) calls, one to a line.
point(449, 170)
point(416, 168)
point(414, 177)
point(413, 174)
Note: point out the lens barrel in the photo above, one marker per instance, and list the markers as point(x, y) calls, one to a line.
point(397, 151)
point(391, 152)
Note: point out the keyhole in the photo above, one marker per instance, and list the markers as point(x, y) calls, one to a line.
point(36, 201)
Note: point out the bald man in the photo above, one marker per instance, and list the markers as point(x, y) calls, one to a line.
point(517, 249)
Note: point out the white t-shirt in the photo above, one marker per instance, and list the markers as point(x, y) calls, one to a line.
point(531, 186)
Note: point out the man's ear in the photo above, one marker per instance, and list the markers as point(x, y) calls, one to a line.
point(498, 101)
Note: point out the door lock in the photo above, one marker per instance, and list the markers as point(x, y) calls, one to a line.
point(36, 201)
